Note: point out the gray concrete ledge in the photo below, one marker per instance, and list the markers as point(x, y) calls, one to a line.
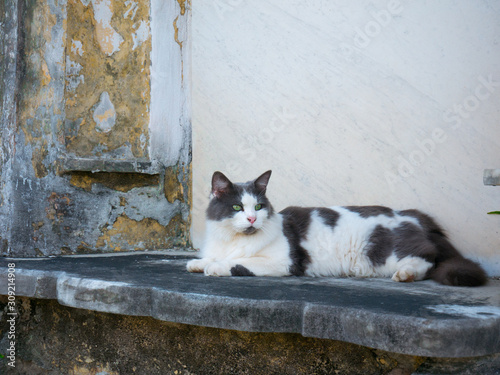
point(422, 318)
point(69, 164)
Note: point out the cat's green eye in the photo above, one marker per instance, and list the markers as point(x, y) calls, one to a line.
point(258, 207)
point(237, 207)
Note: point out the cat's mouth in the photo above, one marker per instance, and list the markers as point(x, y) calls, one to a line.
point(250, 230)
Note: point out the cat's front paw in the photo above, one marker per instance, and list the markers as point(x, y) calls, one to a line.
point(196, 265)
point(218, 269)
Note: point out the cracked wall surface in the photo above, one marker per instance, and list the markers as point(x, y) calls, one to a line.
point(76, 84)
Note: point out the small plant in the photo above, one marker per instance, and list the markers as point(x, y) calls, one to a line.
point(494, 213)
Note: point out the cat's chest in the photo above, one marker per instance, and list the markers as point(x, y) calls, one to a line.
point(242, 246)
point(267, 242)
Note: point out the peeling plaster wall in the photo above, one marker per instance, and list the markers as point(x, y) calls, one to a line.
point(76, 84)
point(107, 78)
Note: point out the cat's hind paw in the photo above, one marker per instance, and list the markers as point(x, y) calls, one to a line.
point(218, 269)
point(405, 276)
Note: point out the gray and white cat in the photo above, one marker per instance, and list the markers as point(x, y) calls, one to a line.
point(246, 237)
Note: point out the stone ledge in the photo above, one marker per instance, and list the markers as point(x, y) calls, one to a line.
point(69, 164)
point(421, 319)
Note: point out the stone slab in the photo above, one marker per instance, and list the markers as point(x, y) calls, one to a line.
point(68, 165)
point(422, 318)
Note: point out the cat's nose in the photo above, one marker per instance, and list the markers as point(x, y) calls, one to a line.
point(252, 219)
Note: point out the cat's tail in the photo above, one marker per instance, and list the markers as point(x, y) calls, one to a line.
point(452, 268)
point(459, 271)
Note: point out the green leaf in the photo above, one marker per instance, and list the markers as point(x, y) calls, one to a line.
point(2, 356)
point(494, 213)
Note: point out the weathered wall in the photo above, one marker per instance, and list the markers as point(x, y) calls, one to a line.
point(78, 171)
point(353, 102)
point(54, 339)
point(107, 96)
point(8, 81)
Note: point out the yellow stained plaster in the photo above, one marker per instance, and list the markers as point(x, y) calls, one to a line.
point(71, 102)
point(57, 206)
point(125, 76)
point(46, 78)
point(188, 175)
point(39, 155)
point(108, 38)
point(105, 116)
point(176, 32)
point(146, 234)
point(182, 5)
point(174, 190)
point(178, 187)
point(76, 47)
point(123, 182)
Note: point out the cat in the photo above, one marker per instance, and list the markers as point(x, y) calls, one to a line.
point(246, 237)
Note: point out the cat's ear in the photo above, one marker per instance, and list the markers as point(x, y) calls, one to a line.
point(262, 181)
point(220, 184)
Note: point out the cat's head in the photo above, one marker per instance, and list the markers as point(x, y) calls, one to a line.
point(243, 207)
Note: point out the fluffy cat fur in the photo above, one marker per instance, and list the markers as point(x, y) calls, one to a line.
point(246, 237)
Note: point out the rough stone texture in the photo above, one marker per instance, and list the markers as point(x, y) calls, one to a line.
point(54, 339)
point(63, 66)
point(424, 318)
point(132, 166)
point(8, 109)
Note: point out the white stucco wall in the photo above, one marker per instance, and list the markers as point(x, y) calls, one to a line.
point(353, 102)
